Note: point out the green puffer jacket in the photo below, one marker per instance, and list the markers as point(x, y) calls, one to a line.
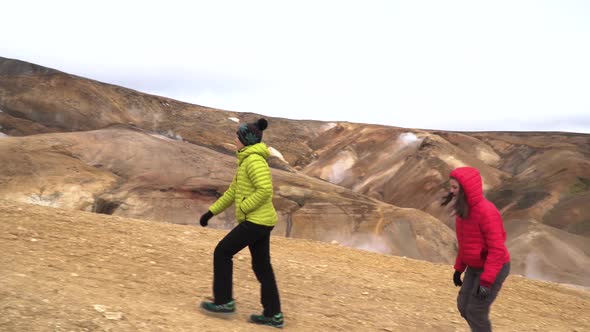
point(251, 189)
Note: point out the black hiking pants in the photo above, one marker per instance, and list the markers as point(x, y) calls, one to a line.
point(475, 311)
point(257, 239)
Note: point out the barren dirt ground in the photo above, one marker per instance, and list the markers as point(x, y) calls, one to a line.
point(75, 271)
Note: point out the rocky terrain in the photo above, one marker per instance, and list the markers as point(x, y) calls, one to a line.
point(68, 270)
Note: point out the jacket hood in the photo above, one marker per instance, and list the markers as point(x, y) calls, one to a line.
point(470, 180)
point(259, 148)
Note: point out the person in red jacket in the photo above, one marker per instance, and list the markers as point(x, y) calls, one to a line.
point(482, 253)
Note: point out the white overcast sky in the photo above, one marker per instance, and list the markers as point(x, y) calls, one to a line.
point(454, 65)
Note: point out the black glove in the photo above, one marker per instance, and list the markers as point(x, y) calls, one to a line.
point(483, 292)
point(457, 278)
point(205, 218)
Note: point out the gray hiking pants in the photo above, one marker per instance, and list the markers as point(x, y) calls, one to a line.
point(475, 311)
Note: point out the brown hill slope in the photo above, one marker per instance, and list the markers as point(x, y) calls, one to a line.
point(542, 252)
point(550, 178)
point(35, 99)
point(76, 271)
point(404, 167)
point(540, 176)
point(132, 173)
point(531, 176)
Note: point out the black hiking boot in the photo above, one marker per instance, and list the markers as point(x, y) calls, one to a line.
point(275, 321)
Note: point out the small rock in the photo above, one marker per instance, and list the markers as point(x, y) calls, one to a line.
point(240, 258)
point(334, 242)
point(152, 262)
point(74, 274)
point(34, 240)
point(113, 315)
point(100, 307)
point(365, 293)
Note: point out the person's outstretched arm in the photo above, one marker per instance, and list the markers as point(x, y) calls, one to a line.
point(225, 200)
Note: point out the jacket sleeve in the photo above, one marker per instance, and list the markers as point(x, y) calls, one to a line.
point(225, 200)
point(261, 179)
point(492, 229)
point(459, 265)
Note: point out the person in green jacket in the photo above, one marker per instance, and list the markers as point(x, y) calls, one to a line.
point(251, 192)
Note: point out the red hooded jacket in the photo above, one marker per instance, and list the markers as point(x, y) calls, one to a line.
point(481, 235)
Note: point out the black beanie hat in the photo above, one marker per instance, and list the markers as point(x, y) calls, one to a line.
point(251, 133)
